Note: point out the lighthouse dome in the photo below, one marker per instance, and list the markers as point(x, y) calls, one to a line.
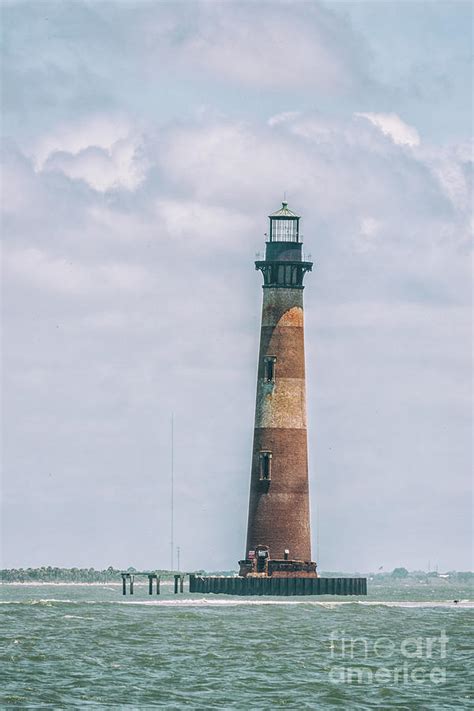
point(284, 211)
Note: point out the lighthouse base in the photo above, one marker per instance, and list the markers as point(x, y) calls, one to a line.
point(274, 568)
point(281, 586)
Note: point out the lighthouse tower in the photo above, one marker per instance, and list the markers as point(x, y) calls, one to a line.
point(278, 534)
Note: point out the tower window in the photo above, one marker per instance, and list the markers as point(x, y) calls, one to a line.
point(265, 466)
point(269, 369)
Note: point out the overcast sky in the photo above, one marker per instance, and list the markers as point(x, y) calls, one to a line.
point(145, 145)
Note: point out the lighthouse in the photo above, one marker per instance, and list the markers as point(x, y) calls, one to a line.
point(277, 559)
point(278, 533)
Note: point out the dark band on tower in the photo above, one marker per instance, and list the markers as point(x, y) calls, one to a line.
point(278, 534)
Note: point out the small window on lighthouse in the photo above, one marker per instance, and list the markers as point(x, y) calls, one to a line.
point(265, 466)
point(269, 369)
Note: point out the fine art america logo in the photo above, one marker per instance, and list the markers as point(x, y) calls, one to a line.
point(413, 660)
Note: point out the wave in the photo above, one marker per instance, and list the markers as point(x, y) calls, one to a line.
point(60, 583)
point(239, 602)
point(233, 602)
point(64, 583)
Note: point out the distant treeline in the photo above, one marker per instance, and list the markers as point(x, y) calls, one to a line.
point(421, 576)
point(90, 575)
point(401, 574)
point(48, 574)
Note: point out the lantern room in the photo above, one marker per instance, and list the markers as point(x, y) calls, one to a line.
point(284, 225)
point(284, 265)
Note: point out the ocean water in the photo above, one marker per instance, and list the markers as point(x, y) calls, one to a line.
point(69, 646)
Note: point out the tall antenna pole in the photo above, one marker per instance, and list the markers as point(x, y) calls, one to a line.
point(172, 493)
point(317, 535)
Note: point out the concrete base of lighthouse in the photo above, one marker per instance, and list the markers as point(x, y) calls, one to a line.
point(276, 585)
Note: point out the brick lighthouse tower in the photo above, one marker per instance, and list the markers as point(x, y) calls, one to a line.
point(278, 534)
point(278, 552)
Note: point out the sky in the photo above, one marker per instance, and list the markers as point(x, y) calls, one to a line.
point(144, 146)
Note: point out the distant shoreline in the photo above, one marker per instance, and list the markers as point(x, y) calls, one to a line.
point(48, 575)
point(87, 576)
point(60, 583)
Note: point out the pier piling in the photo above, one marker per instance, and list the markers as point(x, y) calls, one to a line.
point(178, 583)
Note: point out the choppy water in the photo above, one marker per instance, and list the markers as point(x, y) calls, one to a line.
point(64, 647)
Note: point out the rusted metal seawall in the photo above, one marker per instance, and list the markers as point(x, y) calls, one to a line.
point(279, 514)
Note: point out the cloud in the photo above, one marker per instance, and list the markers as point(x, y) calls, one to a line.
point(105, 152)
point(102, 170)
point(392, 125)
point(368, 231)
point(198, 225)
point(452, 166)
point(349, 166)
point(41, 270)
point(284, 117)
point(245, 44)
point(75, 136)
point(365, 195)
